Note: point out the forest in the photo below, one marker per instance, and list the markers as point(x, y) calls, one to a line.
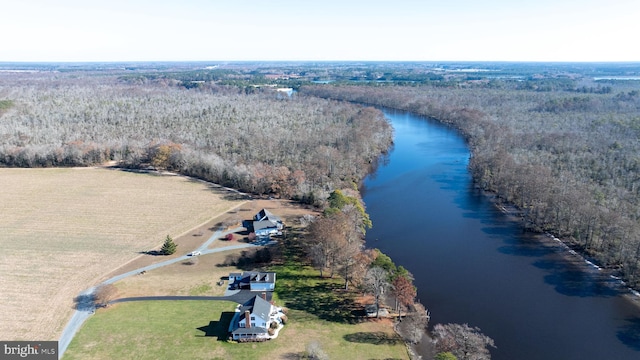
point(566, 156)
point(263, 143)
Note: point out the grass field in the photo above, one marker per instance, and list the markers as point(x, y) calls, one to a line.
point(182, 278)
point(195, 330)
point(63, 229)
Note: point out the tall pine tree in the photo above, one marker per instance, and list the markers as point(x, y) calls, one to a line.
point(169, 247)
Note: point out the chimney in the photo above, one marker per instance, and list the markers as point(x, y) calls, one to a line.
point(264, 296)
point(247, 319)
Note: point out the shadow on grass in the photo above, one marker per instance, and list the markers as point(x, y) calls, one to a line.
point(218, 329)
point(152, 253)
point(250, 259)
point(294, 356)
point(293, 246)
point(375, 338)
point(85, 302)
point(320, 297)
point(301, 289)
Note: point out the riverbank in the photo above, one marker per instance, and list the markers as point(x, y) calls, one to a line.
point(569, 254)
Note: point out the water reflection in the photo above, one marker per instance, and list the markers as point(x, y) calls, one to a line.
point(571, 279)
point(629, 333)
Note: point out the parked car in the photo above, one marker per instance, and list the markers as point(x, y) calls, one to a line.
point(195, 253)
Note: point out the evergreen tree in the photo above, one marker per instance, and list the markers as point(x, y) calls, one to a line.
point(169, 247)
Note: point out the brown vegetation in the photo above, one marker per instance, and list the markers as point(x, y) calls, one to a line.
point(104, 294)
point(261, 143)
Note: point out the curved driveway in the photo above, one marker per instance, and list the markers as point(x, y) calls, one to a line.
point(86, 309)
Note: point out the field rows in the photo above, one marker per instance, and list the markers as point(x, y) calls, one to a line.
point(62, 229)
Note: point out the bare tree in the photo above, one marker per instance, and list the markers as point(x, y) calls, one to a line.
point(104, 294)
point(315, 352)
point(324, 243)
point(465, 342)
point(376, 283)
point(414, 325)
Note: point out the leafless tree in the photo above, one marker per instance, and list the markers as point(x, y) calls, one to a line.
point(104, 294)
point(376, 282)
point(465, 342)
point(414, 325)
point(315, 352)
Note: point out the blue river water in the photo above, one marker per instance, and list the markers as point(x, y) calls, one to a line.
point(474, 264)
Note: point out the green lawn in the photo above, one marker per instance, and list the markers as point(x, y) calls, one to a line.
point(155, 330)
point(195, 329)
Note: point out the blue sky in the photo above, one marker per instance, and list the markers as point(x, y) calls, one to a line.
point(213, 30)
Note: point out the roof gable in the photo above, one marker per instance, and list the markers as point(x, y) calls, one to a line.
point(264, 224)
point(258, 307)
point(265, 214)
point(261, 308)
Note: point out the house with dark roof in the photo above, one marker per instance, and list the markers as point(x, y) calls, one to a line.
point(265, 214)
point(253, 280)
point(254, 319)
point(265, 223)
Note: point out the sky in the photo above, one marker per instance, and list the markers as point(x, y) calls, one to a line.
point(324, 30)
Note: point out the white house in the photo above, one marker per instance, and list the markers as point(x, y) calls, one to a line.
point(254, 319)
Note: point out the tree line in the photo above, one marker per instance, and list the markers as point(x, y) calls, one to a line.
point(334, 245)
point(568, 162)
point(263, 143)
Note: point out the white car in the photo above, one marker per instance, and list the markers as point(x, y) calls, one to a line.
point(195, 253)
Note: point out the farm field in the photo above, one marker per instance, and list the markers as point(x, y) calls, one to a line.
point(63, 229)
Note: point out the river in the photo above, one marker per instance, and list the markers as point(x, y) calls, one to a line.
point(473, 264)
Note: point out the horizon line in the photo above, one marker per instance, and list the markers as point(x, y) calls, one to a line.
point(319, 61)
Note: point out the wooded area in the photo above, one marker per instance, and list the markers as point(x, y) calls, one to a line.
point(568, 158)
point(263, 143)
